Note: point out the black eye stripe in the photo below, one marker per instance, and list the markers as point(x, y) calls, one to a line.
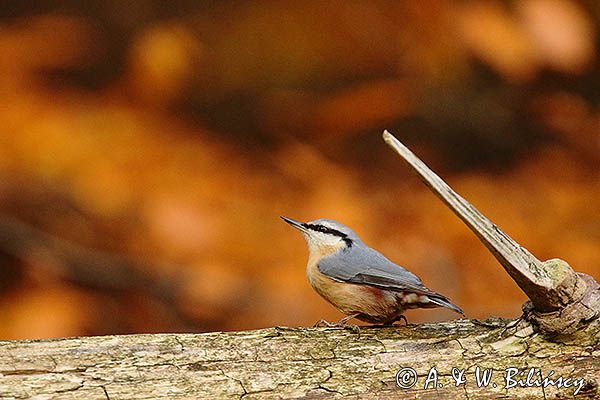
point(331, 231)
point(324, 229)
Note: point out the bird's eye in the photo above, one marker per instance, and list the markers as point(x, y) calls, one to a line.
point(325, 229)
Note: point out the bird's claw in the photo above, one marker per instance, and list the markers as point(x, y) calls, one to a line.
point(326, 324)
point(323, 324)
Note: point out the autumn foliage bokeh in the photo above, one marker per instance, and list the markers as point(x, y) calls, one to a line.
point(147, 149)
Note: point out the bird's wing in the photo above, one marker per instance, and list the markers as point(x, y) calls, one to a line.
point(364, 265)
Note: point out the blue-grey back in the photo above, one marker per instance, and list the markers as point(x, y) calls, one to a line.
point(362, 264)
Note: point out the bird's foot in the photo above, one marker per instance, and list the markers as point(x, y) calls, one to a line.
point(341, 324)
point(352, 328)
point(324, 324)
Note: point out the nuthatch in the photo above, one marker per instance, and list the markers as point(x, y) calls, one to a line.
point(358, 280)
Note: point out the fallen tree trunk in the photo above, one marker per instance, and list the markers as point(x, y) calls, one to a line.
point(307, 363)
point(552, 352)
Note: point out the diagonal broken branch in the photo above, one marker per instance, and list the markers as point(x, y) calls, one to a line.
point(560, 297)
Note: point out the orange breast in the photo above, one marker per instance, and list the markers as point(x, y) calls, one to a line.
point(352, 298)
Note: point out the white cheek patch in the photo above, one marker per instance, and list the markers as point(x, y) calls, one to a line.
point(321, 245)
point(323, 240)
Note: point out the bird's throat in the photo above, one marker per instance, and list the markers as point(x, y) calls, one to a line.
point(317, 251)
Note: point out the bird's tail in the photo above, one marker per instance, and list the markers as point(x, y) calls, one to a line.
point(445, 302)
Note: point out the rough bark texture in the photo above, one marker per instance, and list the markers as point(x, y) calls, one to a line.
point(299, 363)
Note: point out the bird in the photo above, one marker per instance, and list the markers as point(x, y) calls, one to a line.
point(358, 280)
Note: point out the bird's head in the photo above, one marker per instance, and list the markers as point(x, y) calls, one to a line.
point(325, 235)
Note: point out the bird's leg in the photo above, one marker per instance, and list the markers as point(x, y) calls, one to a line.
point(402, 317)
point(342, 323)
point(323, 324)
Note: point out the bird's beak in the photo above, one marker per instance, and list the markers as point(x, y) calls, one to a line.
point(294, 223)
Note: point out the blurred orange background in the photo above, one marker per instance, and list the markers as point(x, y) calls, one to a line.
point(147, 149)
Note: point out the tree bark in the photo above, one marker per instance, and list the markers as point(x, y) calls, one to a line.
point(302, 363)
